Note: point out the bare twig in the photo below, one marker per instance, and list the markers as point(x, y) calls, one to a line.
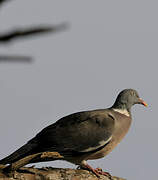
point(15, 59)
point(38, 157)
point(24, 32)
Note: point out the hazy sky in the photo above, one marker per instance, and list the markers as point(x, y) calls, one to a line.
point(111, 45)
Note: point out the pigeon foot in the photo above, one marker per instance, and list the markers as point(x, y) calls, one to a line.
point(97, 171)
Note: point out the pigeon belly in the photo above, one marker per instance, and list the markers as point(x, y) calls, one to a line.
point(122, 125)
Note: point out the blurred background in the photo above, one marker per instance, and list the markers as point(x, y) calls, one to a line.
point(57, 58)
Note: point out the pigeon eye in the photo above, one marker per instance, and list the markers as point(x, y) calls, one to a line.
point(137, 96)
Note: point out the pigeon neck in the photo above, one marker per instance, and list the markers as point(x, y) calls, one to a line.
point(122, 108)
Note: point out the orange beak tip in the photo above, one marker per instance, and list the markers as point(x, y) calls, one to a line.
point(143, 103)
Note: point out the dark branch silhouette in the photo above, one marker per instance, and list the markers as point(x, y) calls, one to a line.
point(25, 32)
point(2, 1)
point(15, 58)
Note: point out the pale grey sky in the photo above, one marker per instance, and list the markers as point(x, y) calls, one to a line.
point(111, 45)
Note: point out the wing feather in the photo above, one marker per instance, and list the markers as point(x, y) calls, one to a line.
point(79, 132)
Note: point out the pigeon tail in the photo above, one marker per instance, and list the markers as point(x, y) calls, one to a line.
point(23, 151)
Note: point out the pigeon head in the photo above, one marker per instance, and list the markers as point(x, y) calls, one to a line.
point(127, 98)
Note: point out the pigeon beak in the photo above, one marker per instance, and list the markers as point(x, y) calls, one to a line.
point(143, 102)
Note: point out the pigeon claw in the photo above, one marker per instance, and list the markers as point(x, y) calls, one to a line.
point(97, 171)
point(101, 172)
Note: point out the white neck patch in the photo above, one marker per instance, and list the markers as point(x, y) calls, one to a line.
point(122, 111)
